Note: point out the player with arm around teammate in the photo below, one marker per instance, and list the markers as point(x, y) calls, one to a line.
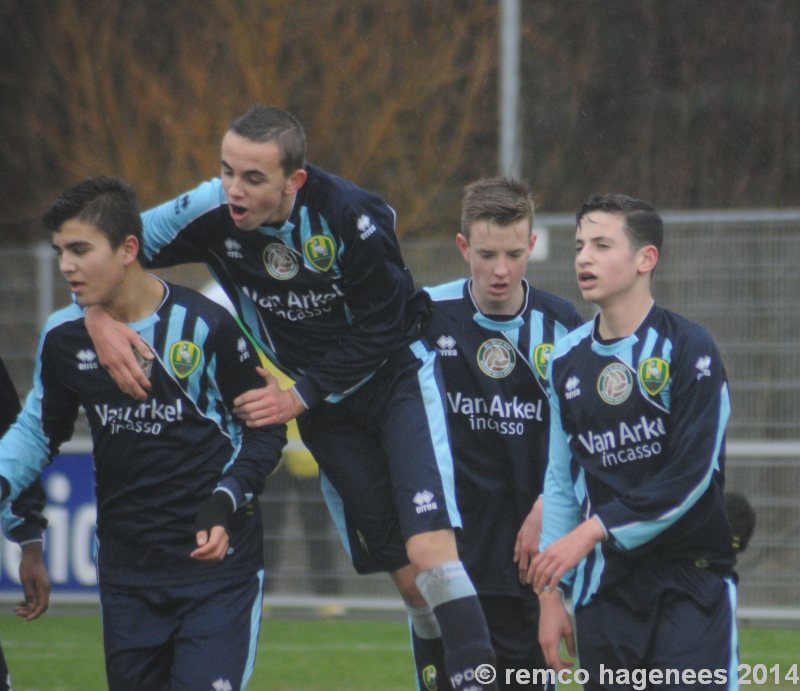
point(634, 517)
point(24, 523)
point(312, 265)
point(180, 563)
point(494, 332)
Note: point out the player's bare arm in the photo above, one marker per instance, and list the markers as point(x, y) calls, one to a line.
point(269, 405)
point(115, 343)
point(555, 625)
point(35, 582)
point(550, 566)
point(527, 545)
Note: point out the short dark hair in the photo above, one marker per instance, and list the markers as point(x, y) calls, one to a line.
point(270, 124)
point(742, 518)
point(108, 203)
point(502, 200)
point(643, 225)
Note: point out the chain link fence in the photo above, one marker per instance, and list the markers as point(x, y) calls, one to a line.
point(734, 272)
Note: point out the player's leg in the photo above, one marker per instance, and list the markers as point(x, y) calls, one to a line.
point(216, 644)
point(415, 436)
point(138, 627)
point(5, 677)
point(514, 625)
point(696, 630)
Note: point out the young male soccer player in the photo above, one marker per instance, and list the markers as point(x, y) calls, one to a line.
point(180, 563)
point(24, 523)
point(494, 333)
point(312, 265)
point(634, 516)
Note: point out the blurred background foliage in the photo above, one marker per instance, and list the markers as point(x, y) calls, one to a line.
point(688, 104)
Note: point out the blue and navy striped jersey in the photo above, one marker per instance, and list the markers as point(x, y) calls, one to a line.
point(156, 461)
point(23, 520)
point(494, 375)
point(638, 439)
point(326, 295)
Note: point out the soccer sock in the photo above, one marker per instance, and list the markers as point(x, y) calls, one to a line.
point(5, 678)
point(449, 592)
point(428, 649)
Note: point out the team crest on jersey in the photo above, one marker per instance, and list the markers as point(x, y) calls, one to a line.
point(429, 678)
point(496, 358)
point(184, 358)
point(320, 251)
point(280, 262)
point(654, 375)
point(541, 358)
point(615, 384)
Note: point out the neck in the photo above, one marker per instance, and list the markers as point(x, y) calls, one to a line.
point(138, 297)
point(622, 319)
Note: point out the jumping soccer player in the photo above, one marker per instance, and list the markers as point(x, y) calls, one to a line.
point(312, 265)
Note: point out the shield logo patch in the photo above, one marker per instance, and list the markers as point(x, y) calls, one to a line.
point(320, 251)
point(184, 358)
point(541, 358)
point(654, 375)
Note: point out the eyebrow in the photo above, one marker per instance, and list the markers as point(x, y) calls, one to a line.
point(252, 171)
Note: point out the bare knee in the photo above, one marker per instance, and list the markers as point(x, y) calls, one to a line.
point(427, 550)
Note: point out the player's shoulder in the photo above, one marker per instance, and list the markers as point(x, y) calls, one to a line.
point(198, 305)
point(72, 314)
point(556, 306)
point(446, 292)
point(680, 330)
point(337, 197)
point(573, 340)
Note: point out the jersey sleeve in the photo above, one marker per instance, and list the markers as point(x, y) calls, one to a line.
point(259, 449)
point(23, 520)
point(700, 408)
point(45, 422)
point(561, 510)
point(175, 231)
point(379, 298)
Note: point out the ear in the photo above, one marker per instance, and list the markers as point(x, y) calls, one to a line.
point(130, 250)
point(648, 258)
point(295, 181)
point(531, 243)
point(463, 245)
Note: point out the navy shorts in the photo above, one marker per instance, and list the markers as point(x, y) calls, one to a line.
point(182, 638)
point(514, 628)
point(667, 617)
point(385, 461)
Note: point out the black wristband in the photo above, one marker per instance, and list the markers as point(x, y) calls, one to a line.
point(217, 510)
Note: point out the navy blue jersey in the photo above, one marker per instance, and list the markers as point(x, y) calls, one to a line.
point(494, 373)
point(326, 295)
point(638, 439)
point(23, 520)
point(157, 461)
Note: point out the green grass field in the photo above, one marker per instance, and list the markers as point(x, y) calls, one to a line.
point(63, 652)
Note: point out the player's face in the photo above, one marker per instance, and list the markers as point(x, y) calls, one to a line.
point(258, 190)
point(93, 269)
point(606, 266)
point(497, 256)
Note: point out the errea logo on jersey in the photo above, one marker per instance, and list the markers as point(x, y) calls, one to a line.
point(572, 389)
point(447, 346)
point(365, 226)
point(181, 204)
point(87, 359)
point(424, 501)
point(241, 346)
point(222, 685)
point(233, 249)
point(703, 366)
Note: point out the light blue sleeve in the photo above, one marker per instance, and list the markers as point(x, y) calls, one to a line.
point(24, 448)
